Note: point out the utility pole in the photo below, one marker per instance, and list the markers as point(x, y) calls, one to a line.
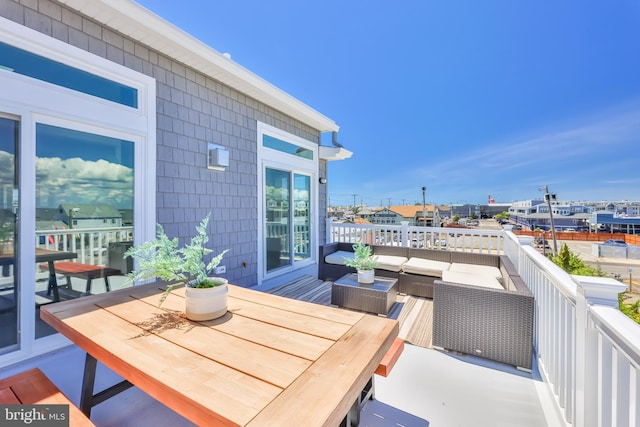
point(354, 199)
point(547, 198)
point(424, 207)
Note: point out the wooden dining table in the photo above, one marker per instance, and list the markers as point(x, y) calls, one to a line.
point(269, 361)
point(44, 256)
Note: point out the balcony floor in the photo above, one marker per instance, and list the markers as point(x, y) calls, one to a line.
point(425, 388)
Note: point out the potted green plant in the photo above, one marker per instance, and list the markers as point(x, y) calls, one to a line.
point(205, 296)
point(363, 261)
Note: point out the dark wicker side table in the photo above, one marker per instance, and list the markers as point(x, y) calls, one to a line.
point(376, 297)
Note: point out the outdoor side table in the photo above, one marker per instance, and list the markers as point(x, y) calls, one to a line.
point(376, 297)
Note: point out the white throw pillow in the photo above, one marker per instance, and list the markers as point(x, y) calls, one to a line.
point(479, 280)
point(425, 267)
point(337, 258)
point(477, 269)
point(390, 262)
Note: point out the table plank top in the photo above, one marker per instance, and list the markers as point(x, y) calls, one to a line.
point(269, 361)
point(42, 255)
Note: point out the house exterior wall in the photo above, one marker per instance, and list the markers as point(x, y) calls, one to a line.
point(385, 216)
point(192, 110)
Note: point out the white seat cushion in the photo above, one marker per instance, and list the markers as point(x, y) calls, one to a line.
point(477, 269)
point(338, 257)
point(425, 267)
point(480, 280)
point(390, 262)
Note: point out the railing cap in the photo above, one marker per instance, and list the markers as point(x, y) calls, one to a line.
point(601, 288)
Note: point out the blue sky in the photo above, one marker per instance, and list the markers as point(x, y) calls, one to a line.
point(468, 98)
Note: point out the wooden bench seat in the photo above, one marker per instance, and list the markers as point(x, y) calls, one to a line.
point(390, 358)
point(85, 271)
point(33, 387)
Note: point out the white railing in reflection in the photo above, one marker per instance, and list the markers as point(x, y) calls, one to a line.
point(587, 350)
point(301, 238)
point(458, 239)
point(91, 244)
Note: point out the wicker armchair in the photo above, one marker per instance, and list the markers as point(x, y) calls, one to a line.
point(495, 324)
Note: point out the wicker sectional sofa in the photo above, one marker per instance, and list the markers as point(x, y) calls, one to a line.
point(415, 269)
point(481, 306)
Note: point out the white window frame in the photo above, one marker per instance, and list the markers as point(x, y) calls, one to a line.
point(270, 158)
point(34, 101)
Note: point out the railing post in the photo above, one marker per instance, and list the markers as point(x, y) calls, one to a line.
point(523, 241)
point(404, 233)
point(329, 234)
point(591, 291)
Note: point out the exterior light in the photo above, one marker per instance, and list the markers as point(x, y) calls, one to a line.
point(322, 180)
point(217, 157)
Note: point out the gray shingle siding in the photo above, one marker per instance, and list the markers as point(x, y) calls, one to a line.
point(192, 109)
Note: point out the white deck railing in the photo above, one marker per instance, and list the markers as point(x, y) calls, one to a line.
point(459, 239)
point(588, 351)
point(91, 244)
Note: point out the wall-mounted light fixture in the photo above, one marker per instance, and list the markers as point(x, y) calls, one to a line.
point(218, 157)
point(322, 180)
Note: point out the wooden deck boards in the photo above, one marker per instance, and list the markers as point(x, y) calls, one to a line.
point(415, 314)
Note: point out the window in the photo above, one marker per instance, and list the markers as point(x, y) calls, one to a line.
point(68, 160)
point(83, 175)
point(288, 201)
point(41, 68)
point(286, 147)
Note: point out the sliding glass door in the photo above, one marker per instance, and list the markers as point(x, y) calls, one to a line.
point(9, 134)
point(277, 218)
point(287, 218)
point(288, 196)
point(301, 216)
point(84, 206)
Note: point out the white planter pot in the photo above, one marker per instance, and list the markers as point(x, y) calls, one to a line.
point(206, 303)
point(365, 276)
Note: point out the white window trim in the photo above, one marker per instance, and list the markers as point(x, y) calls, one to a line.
point(270, 158)
point(40, 44)
point(34, 101)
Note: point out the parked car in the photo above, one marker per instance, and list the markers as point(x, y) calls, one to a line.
point(542, 244)
point(615, 242)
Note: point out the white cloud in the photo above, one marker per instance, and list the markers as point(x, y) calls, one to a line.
point(82, 181)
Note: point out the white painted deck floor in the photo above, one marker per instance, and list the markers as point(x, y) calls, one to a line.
point(425, 388)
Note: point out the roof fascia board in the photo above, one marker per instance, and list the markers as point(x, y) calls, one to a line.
point(137, 22)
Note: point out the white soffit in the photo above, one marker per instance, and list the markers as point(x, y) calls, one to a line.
point(333, 153)
point(133, 20)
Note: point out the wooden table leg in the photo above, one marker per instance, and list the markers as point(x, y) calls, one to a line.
point(53, 282)
point(87, 399)
point(88, 381)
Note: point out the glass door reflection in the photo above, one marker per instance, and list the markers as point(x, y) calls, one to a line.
point(9, 135)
